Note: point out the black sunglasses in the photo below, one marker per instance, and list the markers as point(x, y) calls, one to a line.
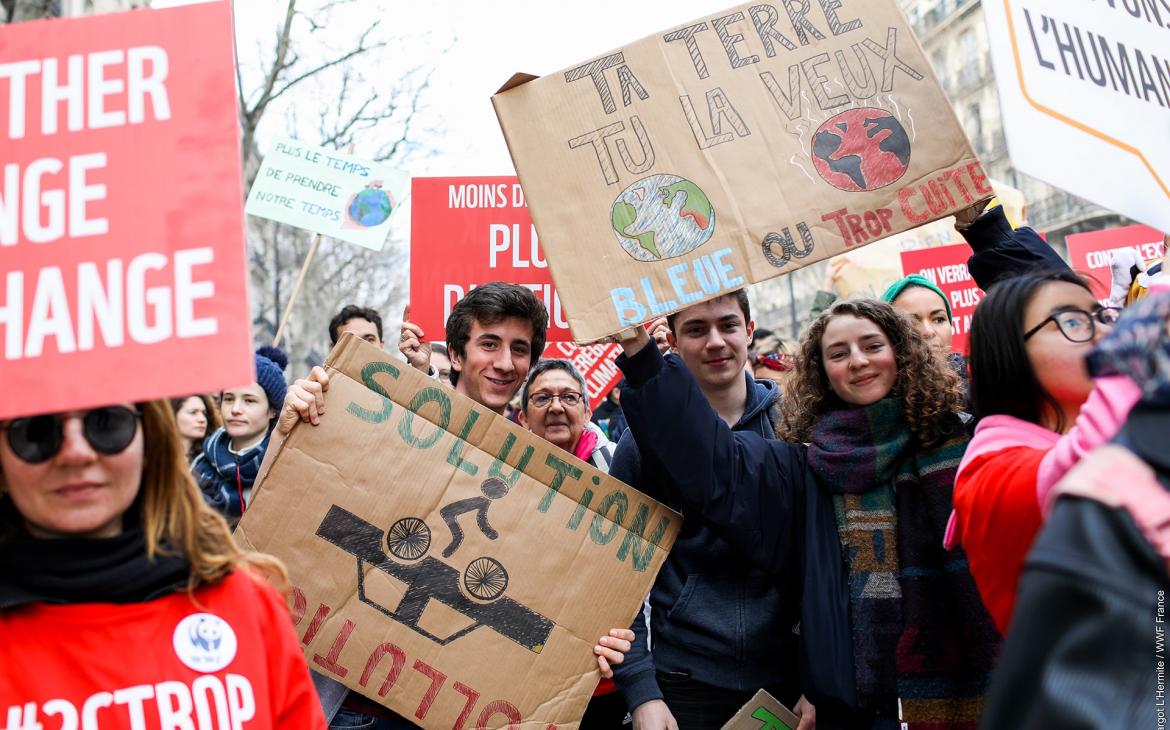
point(37, 439)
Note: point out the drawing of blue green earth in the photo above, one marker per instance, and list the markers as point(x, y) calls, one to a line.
point(661, 217)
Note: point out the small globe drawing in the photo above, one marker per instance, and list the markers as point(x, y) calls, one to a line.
point(661, 217)
point(371, 207)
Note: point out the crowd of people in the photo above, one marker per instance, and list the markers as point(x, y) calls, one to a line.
point(879, 531)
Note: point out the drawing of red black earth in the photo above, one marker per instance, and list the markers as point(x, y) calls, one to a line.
point(861, 149)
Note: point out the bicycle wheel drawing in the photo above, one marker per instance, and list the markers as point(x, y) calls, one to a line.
point(485, 579)
point(409, 538)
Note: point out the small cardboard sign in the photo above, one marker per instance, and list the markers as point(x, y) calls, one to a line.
point(730, 150)
point(1084, 90)
point(763, 712)
point(447, 563)
point(328, 192)
point(1090, 254)
point(596, 363)
point(466, 231)
point(946, 266)
point(121, 230)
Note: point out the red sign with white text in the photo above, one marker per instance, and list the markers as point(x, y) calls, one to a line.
point(121, 211)
point(946, 266)
point(466, 231)
point(1090, 253)
point(597, 363)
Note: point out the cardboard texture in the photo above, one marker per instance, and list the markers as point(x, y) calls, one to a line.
point(328, 192)
point(731, 150)
point(763, 712)
point(447, 563)
point(121, 229)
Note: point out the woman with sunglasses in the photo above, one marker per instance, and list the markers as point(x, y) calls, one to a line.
point(123, 599)
point(1039, 412)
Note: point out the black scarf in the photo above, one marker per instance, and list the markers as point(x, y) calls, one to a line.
point(80, 570)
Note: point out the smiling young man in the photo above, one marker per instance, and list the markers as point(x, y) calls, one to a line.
point(495, 335)
point(720, 629)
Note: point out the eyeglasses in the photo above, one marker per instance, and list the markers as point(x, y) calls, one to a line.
point(1077, 325)
point(568, 399)
point(37, 439)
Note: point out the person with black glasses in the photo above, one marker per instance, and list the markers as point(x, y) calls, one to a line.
point(1039, 412)
point(124, 600)
point(554, 405)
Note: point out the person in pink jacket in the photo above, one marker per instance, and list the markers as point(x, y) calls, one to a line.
point(1039, 412)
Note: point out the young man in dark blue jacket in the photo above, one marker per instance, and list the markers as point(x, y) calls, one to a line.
point(719, 628)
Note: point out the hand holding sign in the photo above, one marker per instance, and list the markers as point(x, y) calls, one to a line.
point(411, 345)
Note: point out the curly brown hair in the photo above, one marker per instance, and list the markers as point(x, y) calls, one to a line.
point(928, 387)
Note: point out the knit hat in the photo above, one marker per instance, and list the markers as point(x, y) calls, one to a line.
point(1139, 346)
point(270, 365)
point(900, 286)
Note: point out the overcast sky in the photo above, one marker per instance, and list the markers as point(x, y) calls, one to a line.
point(489, 41)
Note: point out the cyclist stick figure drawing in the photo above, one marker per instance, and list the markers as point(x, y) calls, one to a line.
point(493, 488)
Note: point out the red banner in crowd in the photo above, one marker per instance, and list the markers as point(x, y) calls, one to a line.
point(596, 362)
point(1090, 253)
point(946, 266)
point(121, 213)
point(466, 231)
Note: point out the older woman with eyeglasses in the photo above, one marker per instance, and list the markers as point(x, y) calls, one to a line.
point(123, 599)
point(1039, 412)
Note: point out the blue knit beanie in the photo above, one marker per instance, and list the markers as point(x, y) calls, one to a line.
point(270, 365)
point(901, 285)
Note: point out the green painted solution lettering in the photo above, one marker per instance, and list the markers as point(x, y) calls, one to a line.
point(623, 504)
point(632, 543)
point(455, 457)
point(579, 513)
point(368, 371)
point(497, 467)
point(562, 469)
point(769, 720)
point(421, 398)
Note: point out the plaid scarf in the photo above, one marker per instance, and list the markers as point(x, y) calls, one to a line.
point(223, 476)
point(921, 635)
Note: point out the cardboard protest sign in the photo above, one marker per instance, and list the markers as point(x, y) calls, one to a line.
point(598, 363)
point(1090, 254)
point(731, 150)
point(946, 266)
point(447, 563)
point(326, 191)
point(121, 229)
point(1084, 90)
point(466, 231)
point(763, 712)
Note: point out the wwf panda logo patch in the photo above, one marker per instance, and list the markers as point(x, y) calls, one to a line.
point(205, 642)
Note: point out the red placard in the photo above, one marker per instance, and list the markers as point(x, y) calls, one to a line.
point(946, 266)
point(596, 362)
point(466, 231)
point(121, 213)
point(1090, 253)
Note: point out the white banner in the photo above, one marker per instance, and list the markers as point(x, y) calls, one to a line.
point(1085, 93)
